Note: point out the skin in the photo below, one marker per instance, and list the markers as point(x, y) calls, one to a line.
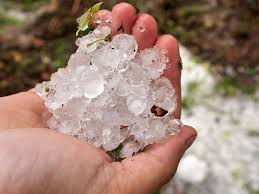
point(38, 160)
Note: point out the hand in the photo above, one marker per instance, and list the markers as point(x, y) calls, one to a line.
point(38, 160)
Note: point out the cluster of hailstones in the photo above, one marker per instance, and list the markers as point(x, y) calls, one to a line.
point(112, 96)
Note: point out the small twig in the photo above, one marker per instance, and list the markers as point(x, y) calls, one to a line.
point(98, 40)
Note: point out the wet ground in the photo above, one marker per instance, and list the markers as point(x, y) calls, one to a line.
point(228, 135)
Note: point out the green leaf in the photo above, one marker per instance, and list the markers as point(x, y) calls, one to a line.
point(84, 20)
point(115, 154)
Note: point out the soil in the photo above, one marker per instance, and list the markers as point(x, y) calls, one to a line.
point(224, 32)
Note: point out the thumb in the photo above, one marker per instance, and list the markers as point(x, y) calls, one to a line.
point(149, 170)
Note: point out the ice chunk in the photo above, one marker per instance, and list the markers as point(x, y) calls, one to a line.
point(136, 105)
point(157, 129)
point(154, 61)
point(126, 45)
point(94, 40)
point(164, 95)
point(111, 96)
point(129, 148)
point(93, 86)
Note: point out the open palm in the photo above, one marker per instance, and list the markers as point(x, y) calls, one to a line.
point(35, 159)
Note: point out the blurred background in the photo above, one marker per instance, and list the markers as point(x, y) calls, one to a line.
point(220, 50)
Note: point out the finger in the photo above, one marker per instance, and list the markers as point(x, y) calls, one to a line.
point(173, 71)
point(102, 17)
point(154, 167)
point(24, 100)
point(123, 18)
point(25, 108)
point(145, 31)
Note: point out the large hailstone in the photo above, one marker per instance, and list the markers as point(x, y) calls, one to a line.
point(111, 96)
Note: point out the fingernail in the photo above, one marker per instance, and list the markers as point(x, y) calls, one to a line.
point(190, 141)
